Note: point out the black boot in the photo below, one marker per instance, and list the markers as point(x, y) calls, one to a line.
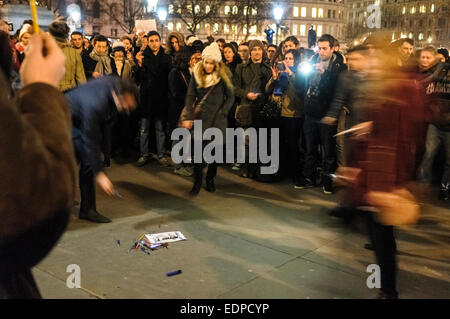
point(94, 216)
point(210, 187)
point(198, 179)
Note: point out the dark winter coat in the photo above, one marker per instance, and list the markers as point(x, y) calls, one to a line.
point(215, 108)
point(92, 105)
point(178, 87)
point(318, 99)
point(89, 64)
point(153, 79)
point(251, 77)
point(37, 183)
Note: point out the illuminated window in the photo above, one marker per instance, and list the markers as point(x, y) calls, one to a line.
point(171, 9)
point(320, 13)
point(295, 12)
point(420, 36)
point(303, 12)
point(303, 30)
point(423, 9)
point(294, 29)
point(319, 30)
point(253, 29)
point(410, 35)
point(178, 26)
point(314, 12)
point(207, 9)
point(432, 8)
point(197, 27)
point(235, 10)
point(413, 10)
point(234, 29)
point(245, 10)
point(170, 26)
point(189, 7)
point(197, 9)
point(207, 25)
point(254, 12)
point(227, 10)
point(216, 27)
point(404, 10)
point(226, 28)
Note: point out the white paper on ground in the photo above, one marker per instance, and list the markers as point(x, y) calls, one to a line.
point(168, 237)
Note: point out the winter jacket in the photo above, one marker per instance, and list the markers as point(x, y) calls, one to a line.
point(89, 64)
point(291, 100)
point(215, 109)
point(153, 79)
point(350, 94)
point(74, 75)
point(92, 105)
point(38, 176)
point(181, 43)
point(436, 83)
point(319, 96)
point(251, 77)
point(178, 87)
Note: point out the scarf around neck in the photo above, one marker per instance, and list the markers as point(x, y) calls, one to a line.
point(103, 62)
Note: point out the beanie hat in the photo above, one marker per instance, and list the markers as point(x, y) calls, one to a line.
point(212, 52)
point(255, 43)
point(25, 28)
point(118, 46)
point(59, 29)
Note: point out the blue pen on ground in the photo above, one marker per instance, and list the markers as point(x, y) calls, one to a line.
point(173, 273)
point(117, 194)
point(118, 242)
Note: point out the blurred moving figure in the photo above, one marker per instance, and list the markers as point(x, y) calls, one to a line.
point(93, 104)
point(381, 159)
point(434, 78)
point(37, 168)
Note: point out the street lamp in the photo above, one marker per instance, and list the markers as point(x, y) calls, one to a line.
point(278, 15)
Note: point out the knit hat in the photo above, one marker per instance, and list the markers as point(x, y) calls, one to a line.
point(255, 43)
point(25, 28)
point(212, 52)
point(118, 46)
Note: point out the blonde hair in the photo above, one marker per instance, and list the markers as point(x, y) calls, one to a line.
point(222, 71)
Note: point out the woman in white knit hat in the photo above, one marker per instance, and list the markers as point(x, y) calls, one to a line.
point(211, 87)
point(24, 38)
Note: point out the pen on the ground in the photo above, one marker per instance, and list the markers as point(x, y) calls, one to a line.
point(173, 273)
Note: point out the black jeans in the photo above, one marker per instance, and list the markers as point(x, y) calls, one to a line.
point(210, 173)
point(86, 174)
point(383, 240)
point(317, 134)
point(290, 147)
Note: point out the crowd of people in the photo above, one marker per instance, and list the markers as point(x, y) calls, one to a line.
point(371, 118)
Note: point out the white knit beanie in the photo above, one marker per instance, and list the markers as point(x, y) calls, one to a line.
point(118, 46)
point(212, 52)
point(25, 28)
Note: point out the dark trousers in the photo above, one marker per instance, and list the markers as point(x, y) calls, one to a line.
point(317, 134)
point(210, 173)
point(290, 147)
point(86, 174)
point(383, 240)
point(107, 140)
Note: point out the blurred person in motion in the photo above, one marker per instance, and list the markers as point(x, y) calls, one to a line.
point(92, 104)
point(37, 168)
point(382, 157)
point(211, 87)
point(434, 79)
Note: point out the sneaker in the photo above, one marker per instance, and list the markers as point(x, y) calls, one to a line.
point(236, 167)
point(165, 161)
point(327, 186)
point(304, 182)
point(444, 193)
point(143, 160)
point(183, 171)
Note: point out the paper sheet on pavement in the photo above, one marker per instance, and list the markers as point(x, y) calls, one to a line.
point(168, 237)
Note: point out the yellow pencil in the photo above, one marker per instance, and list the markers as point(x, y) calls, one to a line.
point(34, 16)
